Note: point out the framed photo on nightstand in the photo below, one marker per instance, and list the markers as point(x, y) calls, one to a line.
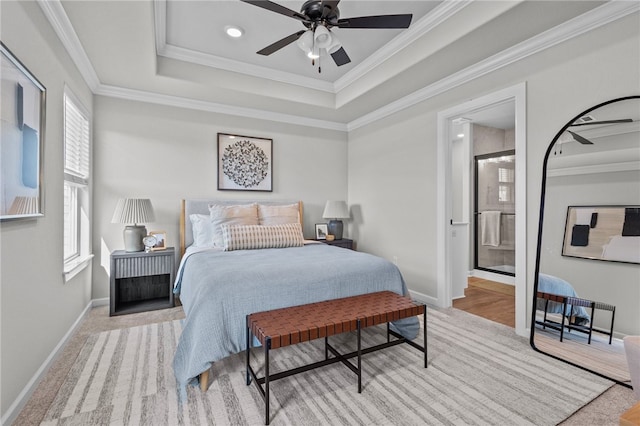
point(161, 240)
point(321, 231)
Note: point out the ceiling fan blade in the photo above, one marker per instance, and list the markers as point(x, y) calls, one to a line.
point(274, 7)
point(340, 57)
point(580, 139)
point(383, 21)
point(591, 123)
point(280, 44)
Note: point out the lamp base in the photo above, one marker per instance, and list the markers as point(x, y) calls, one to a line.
point(133, 235)
point(335, 228)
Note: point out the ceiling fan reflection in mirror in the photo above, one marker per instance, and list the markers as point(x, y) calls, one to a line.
point(590, 121)
point(319, 16)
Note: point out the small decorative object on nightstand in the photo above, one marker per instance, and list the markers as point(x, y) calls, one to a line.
point(343, 242)
point(141, 281)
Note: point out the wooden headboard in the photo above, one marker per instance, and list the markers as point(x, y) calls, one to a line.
point(201, 206)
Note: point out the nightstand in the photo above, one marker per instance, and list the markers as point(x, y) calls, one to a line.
point(344, 243)
point(141, 281)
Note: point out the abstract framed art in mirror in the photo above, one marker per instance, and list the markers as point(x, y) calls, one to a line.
point(22, 125)
point(610, 233)
point(590, 195)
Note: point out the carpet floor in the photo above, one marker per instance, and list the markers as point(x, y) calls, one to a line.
point(479, 373)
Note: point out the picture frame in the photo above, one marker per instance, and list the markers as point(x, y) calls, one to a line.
point(245, 163)
point(23, 100)
point(322, 229)
point(607, 233)
point(161, 237)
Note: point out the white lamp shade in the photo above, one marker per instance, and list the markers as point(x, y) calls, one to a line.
point(335, 210)
point(322, 37)
point(133, 210)
point(334, 46)
point(305, 42)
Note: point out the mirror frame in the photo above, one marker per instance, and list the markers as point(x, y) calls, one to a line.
point(539, 245)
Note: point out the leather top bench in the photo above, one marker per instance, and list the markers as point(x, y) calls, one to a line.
point(288, 326)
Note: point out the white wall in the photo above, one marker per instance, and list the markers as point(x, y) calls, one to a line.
point(166, 154)
point(37, 307)
point(392, 163)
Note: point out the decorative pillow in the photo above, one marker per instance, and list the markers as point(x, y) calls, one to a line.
point(246, 237)
point(277, 215)
point(202, 229)
point(243, 214)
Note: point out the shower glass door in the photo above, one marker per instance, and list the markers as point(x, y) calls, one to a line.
point(494, 212)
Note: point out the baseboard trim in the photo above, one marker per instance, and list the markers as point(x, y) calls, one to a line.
point(14, 410)
point(421, 297)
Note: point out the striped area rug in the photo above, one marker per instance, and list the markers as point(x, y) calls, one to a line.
point(479, 373)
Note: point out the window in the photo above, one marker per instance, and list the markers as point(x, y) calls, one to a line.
point(77, 172)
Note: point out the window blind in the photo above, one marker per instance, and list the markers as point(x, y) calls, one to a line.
point(76, 136)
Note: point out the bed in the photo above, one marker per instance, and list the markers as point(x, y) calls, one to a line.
point(550, 284)
point(218, 287)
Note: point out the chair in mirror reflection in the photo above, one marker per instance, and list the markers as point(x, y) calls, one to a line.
point(587, 290)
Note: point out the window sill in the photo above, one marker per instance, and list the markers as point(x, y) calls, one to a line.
point(74, 267)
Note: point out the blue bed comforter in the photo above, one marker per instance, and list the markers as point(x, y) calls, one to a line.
point(555, 285)
point(218, 289)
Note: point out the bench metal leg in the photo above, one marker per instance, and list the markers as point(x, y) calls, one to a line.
point(267, 346)
point(249, 344)
point(424, 343)
point(359, 358)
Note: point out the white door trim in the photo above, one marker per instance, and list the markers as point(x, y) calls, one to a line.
point(515, 93)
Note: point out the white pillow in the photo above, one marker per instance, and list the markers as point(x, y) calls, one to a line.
point(202, 229)
point(243, 214)
point(276, 215)
point(246, 237)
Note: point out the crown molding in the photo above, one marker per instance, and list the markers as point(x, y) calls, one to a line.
point(57, 17)
point(187, 55)
point(428, 22)
point(588, 21)
point(180, 102)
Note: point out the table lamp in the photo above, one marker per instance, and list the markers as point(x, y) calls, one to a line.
point(335, 210)
point(133, 211)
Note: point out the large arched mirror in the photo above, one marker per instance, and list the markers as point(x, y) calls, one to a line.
point(587, 287)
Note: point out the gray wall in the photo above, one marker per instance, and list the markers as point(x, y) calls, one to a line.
point(38, 307)
point(166, 154)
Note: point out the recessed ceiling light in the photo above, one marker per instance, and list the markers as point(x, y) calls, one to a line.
point(461, 135)
point(233, 31)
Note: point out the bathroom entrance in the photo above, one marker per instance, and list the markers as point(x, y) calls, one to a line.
point(490, 124)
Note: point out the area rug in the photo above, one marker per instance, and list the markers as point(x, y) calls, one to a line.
point(479, 373)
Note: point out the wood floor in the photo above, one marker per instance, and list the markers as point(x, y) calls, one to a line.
point(489, 299)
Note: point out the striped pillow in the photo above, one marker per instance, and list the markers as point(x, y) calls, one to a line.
point(246, 237)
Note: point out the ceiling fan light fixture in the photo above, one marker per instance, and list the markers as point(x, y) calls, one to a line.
point(305, 42)
point(314, 53)
point(322, 37)
point(334, 46)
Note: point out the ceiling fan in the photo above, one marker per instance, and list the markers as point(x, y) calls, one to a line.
point(319, 16)
point(589, 121)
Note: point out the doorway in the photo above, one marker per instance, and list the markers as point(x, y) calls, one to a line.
point(455, 259)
